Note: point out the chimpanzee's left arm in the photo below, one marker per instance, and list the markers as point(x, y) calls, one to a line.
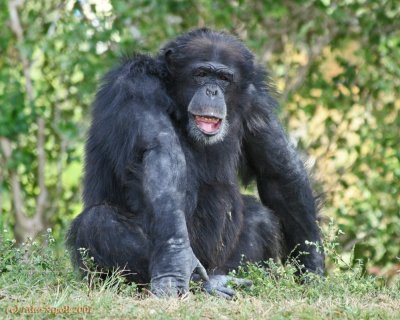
point(282, 180)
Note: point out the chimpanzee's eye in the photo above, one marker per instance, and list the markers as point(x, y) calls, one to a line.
point(223, 77)
point(201, 73)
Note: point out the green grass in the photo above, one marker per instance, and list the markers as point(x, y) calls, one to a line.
point(39, 276)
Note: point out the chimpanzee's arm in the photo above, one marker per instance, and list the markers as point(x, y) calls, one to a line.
point(164, 182)
point(282, 180)
point(132, 127)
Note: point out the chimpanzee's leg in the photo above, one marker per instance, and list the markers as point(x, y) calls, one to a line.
point(261, 237)
point(113, 240)
point(260, 240)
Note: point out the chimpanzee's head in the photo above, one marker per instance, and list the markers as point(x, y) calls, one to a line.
point(209, 73)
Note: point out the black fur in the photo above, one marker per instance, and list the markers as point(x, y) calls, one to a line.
point(160, 200)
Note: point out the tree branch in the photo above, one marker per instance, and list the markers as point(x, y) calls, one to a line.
point(2, 174)
point(41, 202)
point(37, 221)
point(17, 29)
point(14, 182)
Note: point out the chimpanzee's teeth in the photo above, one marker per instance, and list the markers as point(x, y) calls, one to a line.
point(209, 119)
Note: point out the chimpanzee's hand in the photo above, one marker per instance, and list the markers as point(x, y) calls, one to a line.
point(172, 272)
point(218, 285)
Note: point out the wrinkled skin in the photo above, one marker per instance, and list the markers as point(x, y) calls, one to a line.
point(172, 284)
point(170, 137)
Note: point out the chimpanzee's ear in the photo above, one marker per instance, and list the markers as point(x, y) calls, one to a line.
point(168, 58)
point(167, 53)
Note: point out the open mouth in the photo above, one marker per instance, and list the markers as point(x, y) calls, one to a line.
point(208, 124)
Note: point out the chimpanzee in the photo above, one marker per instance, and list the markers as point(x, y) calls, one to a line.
point(172, 137)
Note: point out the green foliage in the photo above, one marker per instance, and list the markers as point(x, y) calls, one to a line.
point(336, 63)
point(353, 90)
point(32, 264)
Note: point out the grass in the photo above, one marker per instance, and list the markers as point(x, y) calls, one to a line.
point(38, 280)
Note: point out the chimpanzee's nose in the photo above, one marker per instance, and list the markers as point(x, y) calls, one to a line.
point(211, 92)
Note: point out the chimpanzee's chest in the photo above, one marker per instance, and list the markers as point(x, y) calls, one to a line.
point(211, 179)
point(214, 220)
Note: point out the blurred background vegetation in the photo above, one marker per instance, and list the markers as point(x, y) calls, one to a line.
point(336, 64)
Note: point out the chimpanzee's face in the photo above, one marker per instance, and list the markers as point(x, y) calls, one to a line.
point(208, 80)
point(208, 83)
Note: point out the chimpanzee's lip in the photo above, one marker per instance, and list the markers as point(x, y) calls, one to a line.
point(209, 125)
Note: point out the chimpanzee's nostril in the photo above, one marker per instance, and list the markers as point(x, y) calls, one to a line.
point(211, 92)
